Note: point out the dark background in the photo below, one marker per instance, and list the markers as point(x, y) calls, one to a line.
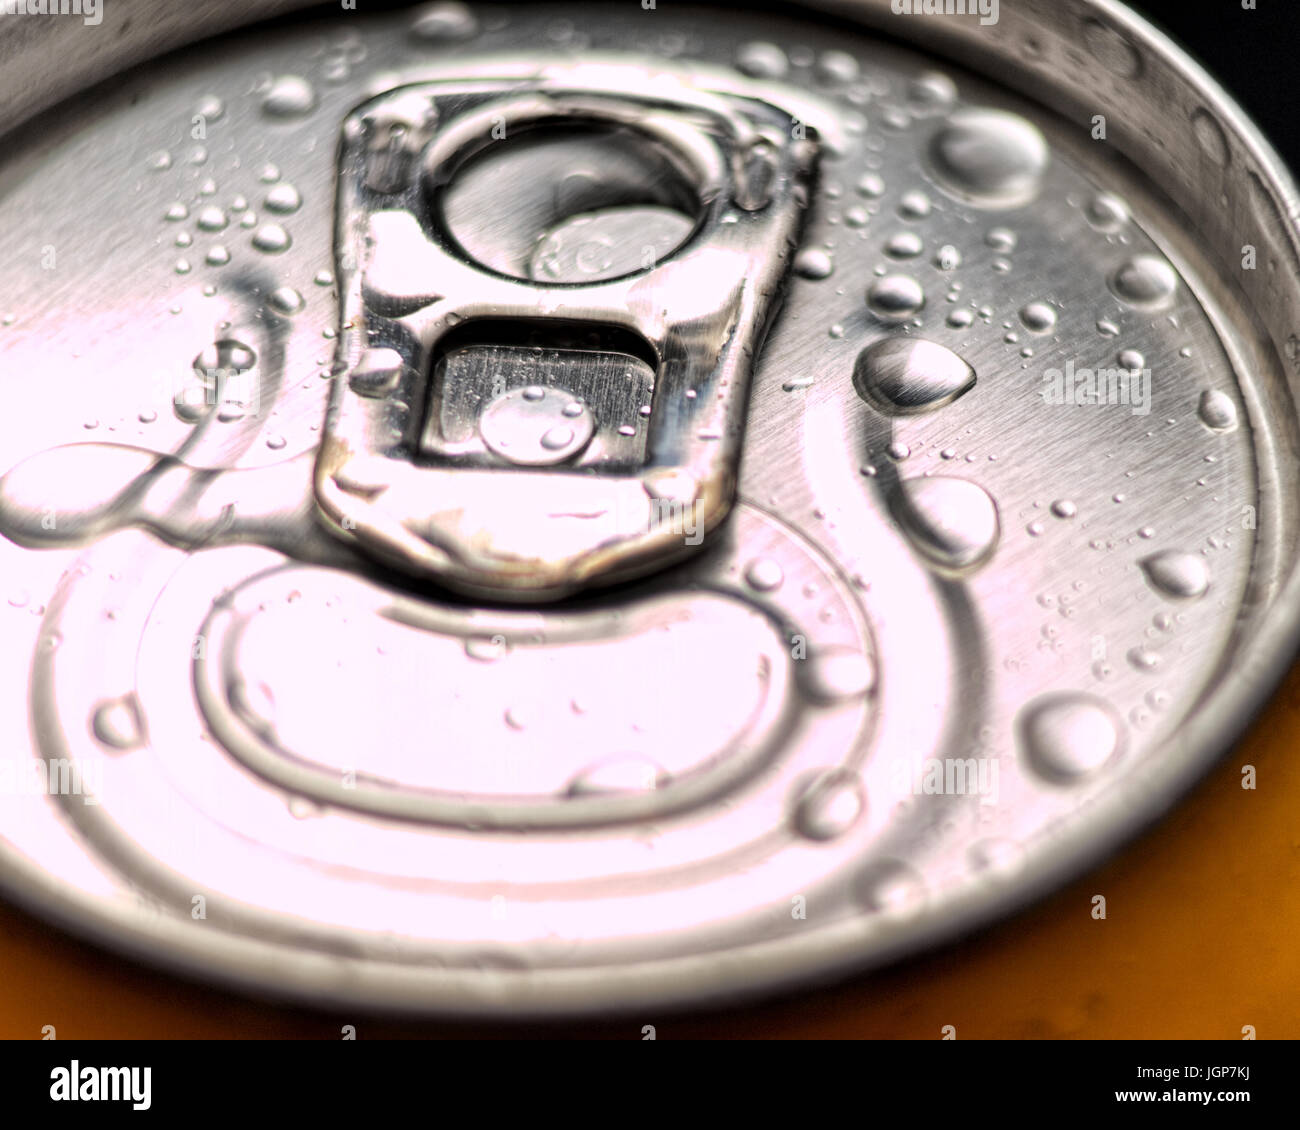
point(1255, 55)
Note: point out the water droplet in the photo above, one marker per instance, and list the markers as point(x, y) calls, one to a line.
point(837, 673)
point(1143, 659)
point(283, 199)
point(997, 858)
point(1038, 317)
point(177, 212)
point(829, 805)
point(324, 278)
point(271, 238)
point(1003, 240)
point(1183, 576)
point(895, 298)
point(275, 442)
point(906, 376)
point(952, 522)
point(1068, 736)
point(1217, 410)
point(914, 205)
point(160, 160)
point(286, 300)
point(871, 185)
point(1132, 360)
point(762, 60)
point(904, 245)
point(218, 255)
point(991, 158)
point(1064, 508)
point(487, 649)
point(764, 575)
point(932, 91)
point(117, 723)
point(1106, 213)
point(814, 263)
point(443, 22)
point(960, 319)
point(1144, 281)
point(211, 107)
point(289, 96)
point(1107, 328)
point(837, 67)
point(269, 174)
point(890, 888)
point(377, 372)
point(631, 773)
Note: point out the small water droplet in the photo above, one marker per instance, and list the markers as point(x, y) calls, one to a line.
point(764, 575)
point(837, 673)
point(1106, 213)
point(814, 263)
point(286, 300)
point(895, 298)
point(829, 805)
point(289, 96)
point(117, 723)
point(283, 199)
point(1144, 281)
point(1038, 317)
point(1068, 736)
point(762, 60)
point(271, 238)
point(445, 21)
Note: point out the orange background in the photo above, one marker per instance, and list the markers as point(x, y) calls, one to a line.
point(1202, 937)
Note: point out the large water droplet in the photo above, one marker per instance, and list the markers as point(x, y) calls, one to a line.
point(991, 158)
point(1217, 410)
point(1183, 576)
point(1068, 736)
point(952, 522)
point(1145, 281)
point(907, 376)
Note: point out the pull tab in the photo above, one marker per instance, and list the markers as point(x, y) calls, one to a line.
point(553, 296)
